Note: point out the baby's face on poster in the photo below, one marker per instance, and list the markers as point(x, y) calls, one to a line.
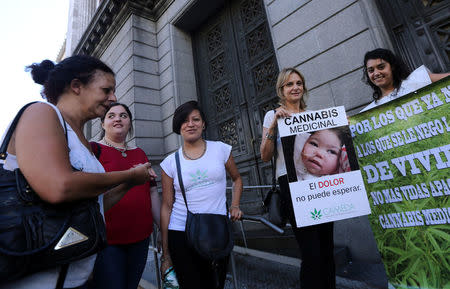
point(321, 152)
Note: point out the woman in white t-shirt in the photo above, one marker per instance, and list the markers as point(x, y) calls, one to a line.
point(204, 165)
point(77, 89)
point(389, 77)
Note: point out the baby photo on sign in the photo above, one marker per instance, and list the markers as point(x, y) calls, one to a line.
point(323, 173)
point(320, 153)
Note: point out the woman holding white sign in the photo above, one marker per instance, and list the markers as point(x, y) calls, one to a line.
point(389, 76)
point(315, 242)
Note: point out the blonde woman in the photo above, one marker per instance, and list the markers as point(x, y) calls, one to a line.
point(315, 242)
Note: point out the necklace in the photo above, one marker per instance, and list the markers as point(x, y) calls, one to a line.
point(190, 158)
point(121, 150)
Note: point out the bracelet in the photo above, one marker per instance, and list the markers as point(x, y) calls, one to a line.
point(270, 136)
point(163, 259)
point(237, 207)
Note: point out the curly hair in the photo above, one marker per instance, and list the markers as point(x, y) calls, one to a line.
point(400, 70)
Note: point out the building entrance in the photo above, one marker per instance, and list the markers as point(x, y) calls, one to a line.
point(236, 71)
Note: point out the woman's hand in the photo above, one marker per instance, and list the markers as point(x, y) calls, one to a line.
point(152, 172)
point(166, 263)
point(235, 213)
point(281, 112)
point(140, 174)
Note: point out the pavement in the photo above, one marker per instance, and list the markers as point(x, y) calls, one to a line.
point(262, 270)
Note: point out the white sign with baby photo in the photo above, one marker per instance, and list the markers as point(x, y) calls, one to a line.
point(323, 173)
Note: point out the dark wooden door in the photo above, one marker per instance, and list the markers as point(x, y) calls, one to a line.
point(236, 71)
point(420, 30)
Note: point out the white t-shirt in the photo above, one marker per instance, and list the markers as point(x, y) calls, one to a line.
point(417, 79)
point(78, 271)
point(204, 181)
point(281, 166)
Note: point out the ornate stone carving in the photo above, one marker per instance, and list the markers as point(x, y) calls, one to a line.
point(442, 32)
point(265, 75)
point(257, 41)
point(217, 68)
point(215, 40)
point(227, 132)
point(251, 10)
point(222, 98)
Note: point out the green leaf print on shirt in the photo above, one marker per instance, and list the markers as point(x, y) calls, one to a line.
point(200, 179)
point(199, 176)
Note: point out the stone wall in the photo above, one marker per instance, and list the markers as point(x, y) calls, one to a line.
point(326, 40)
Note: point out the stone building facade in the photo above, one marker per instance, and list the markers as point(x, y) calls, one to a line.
point(226, 54)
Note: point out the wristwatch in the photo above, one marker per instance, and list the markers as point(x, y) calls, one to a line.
point(270, 136)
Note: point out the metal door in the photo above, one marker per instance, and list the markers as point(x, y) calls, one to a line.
point(420, 30)
point(236, 71)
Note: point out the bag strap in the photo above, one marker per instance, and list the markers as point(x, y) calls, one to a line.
point(10, 131)
point(180, 178)
point(12, 127)
point(273, 161)
point(62, 276)
point(96, 149)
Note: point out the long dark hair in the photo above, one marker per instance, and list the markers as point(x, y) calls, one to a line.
point(399, 69)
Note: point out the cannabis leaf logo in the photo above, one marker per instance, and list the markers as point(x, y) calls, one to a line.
point(316, 215)
point(199, 176)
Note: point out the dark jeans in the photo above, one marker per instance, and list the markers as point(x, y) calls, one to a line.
point(316, 246)
point(120, 266)
point(194, 272)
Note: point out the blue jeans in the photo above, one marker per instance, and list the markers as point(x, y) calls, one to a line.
point(120, 266)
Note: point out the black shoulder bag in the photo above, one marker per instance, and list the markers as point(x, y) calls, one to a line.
point(272, 201)
point(36, 235)
point(210, 235)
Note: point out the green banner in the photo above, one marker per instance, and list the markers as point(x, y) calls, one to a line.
point(403, 150)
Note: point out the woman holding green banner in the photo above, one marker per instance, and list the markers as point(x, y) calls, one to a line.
point(389, 76)
point(315, 242)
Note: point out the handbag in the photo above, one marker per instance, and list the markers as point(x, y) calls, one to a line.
point(36, 235)
point(273, 205)
point(210, 235)
point(272, 201)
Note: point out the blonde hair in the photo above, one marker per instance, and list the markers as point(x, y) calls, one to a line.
point(281, 82)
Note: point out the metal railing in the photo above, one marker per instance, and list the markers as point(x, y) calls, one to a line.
point(250, 218)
